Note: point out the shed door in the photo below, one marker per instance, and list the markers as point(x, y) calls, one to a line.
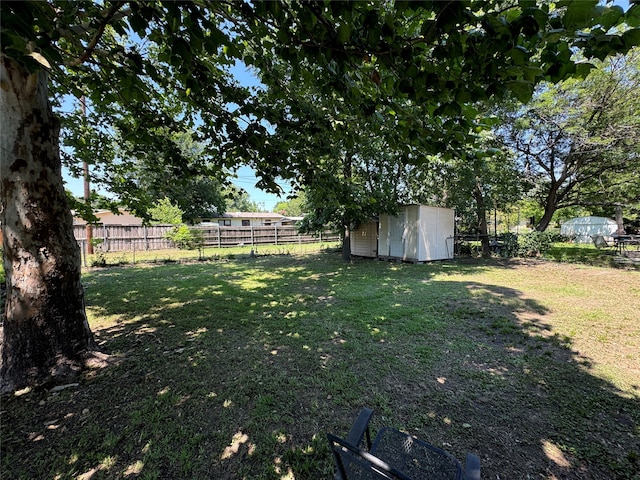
point(396, 236)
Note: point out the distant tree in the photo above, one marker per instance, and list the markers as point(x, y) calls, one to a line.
point(344, 160)
point(578, 140)
point(186, 177)
point(293, 207)
point(530, 210)
point(164, 212)
point(238, 200)
point(176, 167)
point(347, 188)
point(197, 197)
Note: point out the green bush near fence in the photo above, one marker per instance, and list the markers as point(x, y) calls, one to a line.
point(186, 238)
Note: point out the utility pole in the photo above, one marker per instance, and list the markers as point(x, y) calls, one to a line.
point(87, 187)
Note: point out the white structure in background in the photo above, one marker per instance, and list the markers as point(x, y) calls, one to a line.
point(583, 228)
point(418, 233)
point(251, 219)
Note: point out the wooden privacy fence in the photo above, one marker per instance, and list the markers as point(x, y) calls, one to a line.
point(120, 238)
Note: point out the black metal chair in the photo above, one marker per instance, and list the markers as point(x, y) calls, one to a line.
point(394, 455)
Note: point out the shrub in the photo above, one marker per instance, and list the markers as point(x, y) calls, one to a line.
point(99, 260)
point(510, 245)
point(557, 237)
point(468, 249)
point(97, 243)
point(186, 238)
point(534, 243)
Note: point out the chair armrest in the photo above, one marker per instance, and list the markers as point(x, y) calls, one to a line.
point(364, 459)
point(472, 467)
point(359, 428)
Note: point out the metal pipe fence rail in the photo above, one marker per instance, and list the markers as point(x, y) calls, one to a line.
point(125, 238)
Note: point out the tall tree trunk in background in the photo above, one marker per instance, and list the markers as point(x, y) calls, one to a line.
point(619, 221)
point(549, 210)
point(346, 221)
point(481, 212)
point(346, 244)
point(45, 330)
point(551, 204)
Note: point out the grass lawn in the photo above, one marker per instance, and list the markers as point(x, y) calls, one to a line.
point(130, 257)
point(236, 368)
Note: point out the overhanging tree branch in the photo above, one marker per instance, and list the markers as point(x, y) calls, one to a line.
point(107, 18)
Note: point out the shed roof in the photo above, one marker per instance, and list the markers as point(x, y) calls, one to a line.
point(591, 220)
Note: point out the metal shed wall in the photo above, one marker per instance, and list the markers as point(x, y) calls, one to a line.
point(418, 233)
point(364, 240)
point(583, 228)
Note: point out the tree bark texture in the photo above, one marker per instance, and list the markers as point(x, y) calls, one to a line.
point(347, 171)
point(45, 331)
point(550, 207)
point(483, 227)
point(346, 244)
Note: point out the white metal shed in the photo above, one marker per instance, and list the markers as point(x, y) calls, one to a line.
point(583, 228)
point(418, 233)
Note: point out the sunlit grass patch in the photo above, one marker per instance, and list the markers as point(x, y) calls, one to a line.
point(237, 369)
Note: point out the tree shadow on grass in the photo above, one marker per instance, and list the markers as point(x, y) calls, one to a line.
point(523, 400)
point(237, 370)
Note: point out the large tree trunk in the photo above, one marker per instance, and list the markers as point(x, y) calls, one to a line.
point(550, 208)
point(551, 205)
point(45, 330)
point(346, 244)
point(620, 221)
point(481, 212)
point(544, 222)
